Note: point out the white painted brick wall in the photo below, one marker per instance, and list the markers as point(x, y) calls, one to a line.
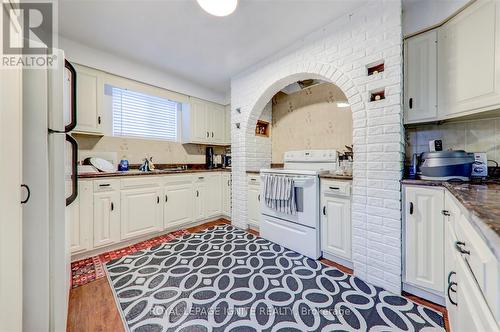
point(340, 53)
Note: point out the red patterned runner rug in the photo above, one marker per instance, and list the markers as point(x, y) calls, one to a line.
point(90, 269)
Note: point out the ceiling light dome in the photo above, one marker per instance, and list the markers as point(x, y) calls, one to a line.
point(218, 7)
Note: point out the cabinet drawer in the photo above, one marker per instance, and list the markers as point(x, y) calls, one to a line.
point(106, 185)
point(200, 177)
point(335, 187)
point(254, 180)
point(178, 179)
point(141, 182)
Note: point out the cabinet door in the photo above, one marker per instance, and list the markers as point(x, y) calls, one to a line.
point(199, 120)
point(141, 212)
point(106, 218)
point(199, 200)
point(213, 197)
point(216, 123)
point(336, 226)
point(472, 312)
point(469, 50)
point(178, 203)
point(226, 194)
point(421, 78)
point(424, 238)
point(227, 124)
point(253, 207)
point(79, 215)
point(89, 90)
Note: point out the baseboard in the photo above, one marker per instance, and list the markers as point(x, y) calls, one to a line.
point(121, 244)
point(339, 260)
point(425, 294)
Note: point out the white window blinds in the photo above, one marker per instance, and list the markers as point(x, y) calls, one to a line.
point(137, 114)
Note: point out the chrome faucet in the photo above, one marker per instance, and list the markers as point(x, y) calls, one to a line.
point(147, 165)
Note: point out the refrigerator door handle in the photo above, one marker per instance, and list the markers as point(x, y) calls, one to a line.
point(72, 70)
point(74, 167)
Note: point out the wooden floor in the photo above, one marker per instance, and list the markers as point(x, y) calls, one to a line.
point(92, 307)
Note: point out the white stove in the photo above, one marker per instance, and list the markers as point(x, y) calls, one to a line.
point(300, 231)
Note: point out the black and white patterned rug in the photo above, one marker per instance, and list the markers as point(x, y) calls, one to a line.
point(225, 279)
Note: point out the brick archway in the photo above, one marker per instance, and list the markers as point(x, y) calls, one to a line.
point(341, 56)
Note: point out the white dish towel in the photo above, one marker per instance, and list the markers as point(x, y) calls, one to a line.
point(279, 193)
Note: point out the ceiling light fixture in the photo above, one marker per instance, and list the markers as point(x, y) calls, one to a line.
point(218, 7)
point(342, 104)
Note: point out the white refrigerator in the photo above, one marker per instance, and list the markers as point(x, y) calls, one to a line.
point(50, 174)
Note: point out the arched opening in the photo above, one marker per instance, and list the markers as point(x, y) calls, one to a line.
point(309, 114)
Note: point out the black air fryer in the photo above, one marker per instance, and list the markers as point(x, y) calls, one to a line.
point(209, 157)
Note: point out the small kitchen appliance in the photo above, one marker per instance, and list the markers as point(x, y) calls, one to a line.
point(209, 157)
point(480, 165)
point(446, 165)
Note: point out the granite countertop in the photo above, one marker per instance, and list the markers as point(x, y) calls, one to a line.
point(336, 177)
point(136, 172)
point(483, 202)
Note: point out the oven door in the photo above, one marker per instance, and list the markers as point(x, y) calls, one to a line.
point(307, 199)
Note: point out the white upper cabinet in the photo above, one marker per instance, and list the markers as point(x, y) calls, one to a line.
point(424, 237)
point(227, 124)
point(89, 94)
point(454, 70)
point(469, 60)
point(420, 102)
point(197, 121)
point(203, 122)
point(217, 121)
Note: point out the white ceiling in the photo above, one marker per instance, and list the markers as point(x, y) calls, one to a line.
point(178, 37)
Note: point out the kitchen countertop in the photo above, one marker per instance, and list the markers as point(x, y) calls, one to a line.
point(335, 177)
point(136, 172)
point(483, 202)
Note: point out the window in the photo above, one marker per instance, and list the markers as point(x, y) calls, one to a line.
point(137, 114)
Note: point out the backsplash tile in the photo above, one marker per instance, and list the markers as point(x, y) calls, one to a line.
point(471, 136)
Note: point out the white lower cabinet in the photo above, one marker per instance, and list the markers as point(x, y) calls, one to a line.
point(199, 198)
point(178, 201)
point(141, 211)
point(79, 216)
point(213, 195)
point(253, 200)
point(335, 223)
point(424, 238)
point(226, 193)
point(113, 210)
point(106, 218)
point(470, 277)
